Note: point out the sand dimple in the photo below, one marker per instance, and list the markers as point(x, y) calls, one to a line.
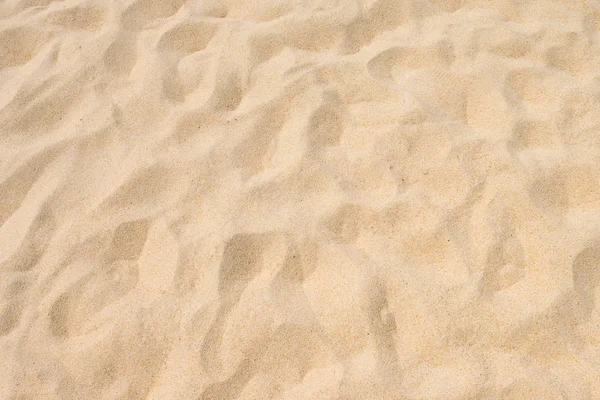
point(129, 239)
point(78, 18)
point(187, 37)
point(536, 134)
point(120, 55)
point(586, 277)
point(406, 59)
point(141, 12)
point(327, 122)
point(19, 45)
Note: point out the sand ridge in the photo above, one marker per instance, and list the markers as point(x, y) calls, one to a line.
point(370, 199)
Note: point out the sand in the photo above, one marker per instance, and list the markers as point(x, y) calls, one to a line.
point(285, 199)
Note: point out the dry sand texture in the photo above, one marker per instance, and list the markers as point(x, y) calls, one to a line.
point(300, 199)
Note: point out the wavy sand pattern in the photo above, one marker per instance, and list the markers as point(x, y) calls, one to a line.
point(285, 199)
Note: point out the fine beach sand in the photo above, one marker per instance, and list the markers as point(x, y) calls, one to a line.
point(300, 199)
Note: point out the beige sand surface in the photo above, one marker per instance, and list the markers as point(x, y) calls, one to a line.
point(300, 199)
